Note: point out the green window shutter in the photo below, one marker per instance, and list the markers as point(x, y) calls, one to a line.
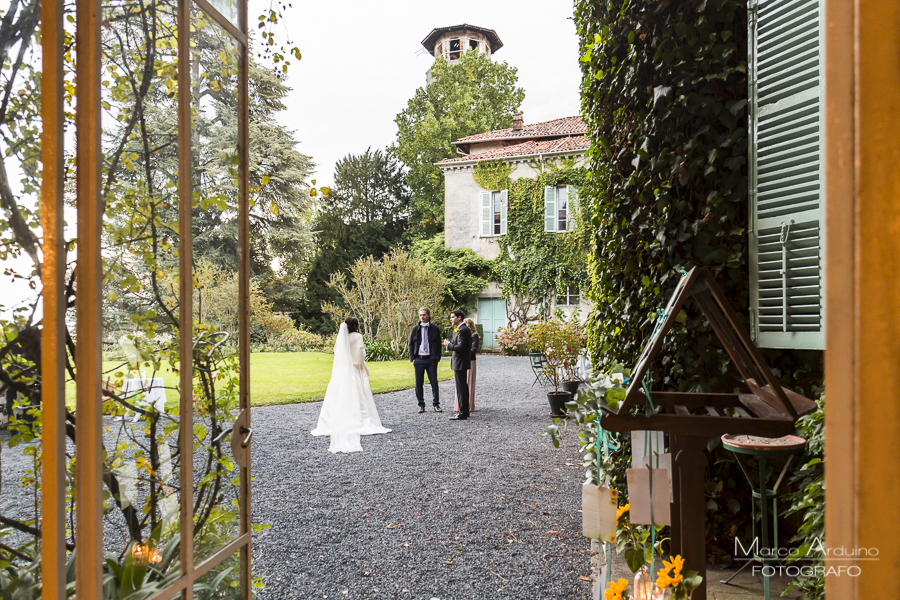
point(787, 192)
point(504, 209)
point(486, 216)
point(573, 208)
point(549, 209)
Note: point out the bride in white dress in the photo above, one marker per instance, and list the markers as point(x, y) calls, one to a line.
point(348, 410)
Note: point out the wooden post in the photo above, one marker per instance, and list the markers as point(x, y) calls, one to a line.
point(53, 332)
point(690, 505)
point(862, 376)
point(89, 323)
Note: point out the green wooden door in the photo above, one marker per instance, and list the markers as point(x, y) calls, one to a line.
point(491, 315)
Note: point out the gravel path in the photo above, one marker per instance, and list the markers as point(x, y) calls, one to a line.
point(483, 508)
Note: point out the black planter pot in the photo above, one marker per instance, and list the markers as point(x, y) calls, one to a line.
point(570, 386)
point(558, 402)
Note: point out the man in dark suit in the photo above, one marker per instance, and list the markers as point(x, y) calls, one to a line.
point(461, 345)
point(425, 354)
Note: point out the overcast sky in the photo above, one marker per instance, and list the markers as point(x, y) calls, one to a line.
point(362, 61)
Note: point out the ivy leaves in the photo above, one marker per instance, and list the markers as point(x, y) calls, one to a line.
point(533, 263)
point(664, 93)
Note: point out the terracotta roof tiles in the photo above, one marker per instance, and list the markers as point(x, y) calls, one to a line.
point(557, 127)
point(570, 143)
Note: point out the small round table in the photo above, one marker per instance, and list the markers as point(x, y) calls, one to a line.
point(763, 448)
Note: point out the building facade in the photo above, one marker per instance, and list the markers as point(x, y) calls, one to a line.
point(475, 217)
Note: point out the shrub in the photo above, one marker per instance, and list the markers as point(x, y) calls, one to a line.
point(378, 351)
point(515, 341)
point(297, 339)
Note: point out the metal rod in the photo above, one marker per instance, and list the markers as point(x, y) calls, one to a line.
point(53, 332)
point(185, 298)
point(244, 288)
point(88, 305)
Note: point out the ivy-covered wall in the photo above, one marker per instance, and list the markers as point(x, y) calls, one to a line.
point(664, 93)
point(532, 263)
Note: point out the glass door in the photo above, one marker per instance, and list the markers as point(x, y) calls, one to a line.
point(128, 387)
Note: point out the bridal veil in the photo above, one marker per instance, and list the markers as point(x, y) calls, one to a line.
point(348, 410)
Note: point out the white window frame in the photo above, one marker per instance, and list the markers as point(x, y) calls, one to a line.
point(571, 297)
point(494, 207)
point(552, 211)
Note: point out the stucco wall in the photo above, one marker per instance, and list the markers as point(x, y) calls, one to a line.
point(462, 209)
point(462, 221)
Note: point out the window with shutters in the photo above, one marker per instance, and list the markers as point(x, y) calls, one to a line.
point(786, 173)
point(560, 204)
point(493, 213)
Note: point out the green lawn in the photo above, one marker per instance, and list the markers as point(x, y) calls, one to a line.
point(288, 377)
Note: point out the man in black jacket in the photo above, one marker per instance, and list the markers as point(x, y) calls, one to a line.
point(460, 362)
point(425, 354)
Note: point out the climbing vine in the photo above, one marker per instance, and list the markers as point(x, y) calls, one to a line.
point(532, 263)
point(493, 174)
point(664, 94)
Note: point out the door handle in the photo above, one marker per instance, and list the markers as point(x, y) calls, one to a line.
point(240, 439)
point(246, 441)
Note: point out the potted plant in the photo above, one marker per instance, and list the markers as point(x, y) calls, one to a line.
point(574, 348)
point(555, 339)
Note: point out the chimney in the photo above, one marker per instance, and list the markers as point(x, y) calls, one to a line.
point(518, 122)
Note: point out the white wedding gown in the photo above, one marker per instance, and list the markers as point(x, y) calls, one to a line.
point(348, 410)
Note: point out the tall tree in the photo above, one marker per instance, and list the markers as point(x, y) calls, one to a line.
point(365, 215)
point(470, 96)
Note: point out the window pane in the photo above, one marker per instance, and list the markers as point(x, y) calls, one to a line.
point(228, 8)
point(215, 159)
point(20, 448)
point(141, 317)
point(562, 201)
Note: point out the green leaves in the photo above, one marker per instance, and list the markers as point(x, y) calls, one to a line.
point(472, 95)
point(634, 558)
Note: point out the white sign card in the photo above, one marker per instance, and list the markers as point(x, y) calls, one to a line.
point(640, 453)
point(640, 500)
point(598, 512)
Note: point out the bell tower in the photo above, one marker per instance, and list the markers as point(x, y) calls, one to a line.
point(451, 42)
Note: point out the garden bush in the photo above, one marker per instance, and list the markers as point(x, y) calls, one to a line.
point(514, 341)
point(378, 351)
point(297, 339)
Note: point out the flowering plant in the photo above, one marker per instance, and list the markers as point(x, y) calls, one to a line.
point(515, 341)
point(682, 584)
point(618, 590)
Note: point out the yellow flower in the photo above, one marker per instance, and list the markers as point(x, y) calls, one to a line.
point(621, 511)
point(678, 563)
point(615, 590)
point(664, 580)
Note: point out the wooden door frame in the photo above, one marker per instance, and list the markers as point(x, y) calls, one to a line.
point(89, 465)
point(862, 357)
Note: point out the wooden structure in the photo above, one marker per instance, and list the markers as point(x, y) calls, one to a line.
point(768, 411)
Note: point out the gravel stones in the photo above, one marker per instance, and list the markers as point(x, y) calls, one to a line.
point(483, 508)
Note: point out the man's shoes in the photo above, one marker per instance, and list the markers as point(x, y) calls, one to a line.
point(459, 417)
point(437, 408)
point(421, 409)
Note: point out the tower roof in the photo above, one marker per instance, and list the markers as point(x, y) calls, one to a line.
point(437, 32)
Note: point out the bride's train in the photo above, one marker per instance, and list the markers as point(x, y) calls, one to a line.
point(348, 410)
